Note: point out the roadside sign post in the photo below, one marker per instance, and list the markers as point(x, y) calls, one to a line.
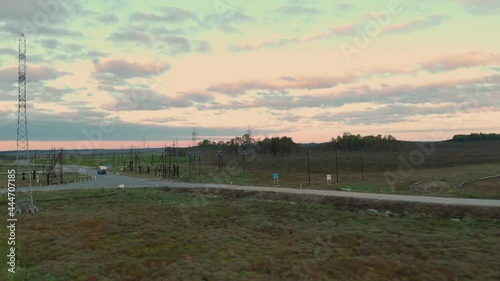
point(276, 177)
point(329, 180)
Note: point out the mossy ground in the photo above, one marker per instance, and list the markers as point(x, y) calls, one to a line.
point(156, 234)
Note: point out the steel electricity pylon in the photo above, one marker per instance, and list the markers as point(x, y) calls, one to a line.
point(23, 153)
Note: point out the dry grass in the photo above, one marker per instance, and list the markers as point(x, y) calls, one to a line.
point(149, 234)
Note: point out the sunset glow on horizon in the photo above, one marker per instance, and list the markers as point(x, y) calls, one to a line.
point(145, 73)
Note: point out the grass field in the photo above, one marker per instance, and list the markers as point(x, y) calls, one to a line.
point(157, 234)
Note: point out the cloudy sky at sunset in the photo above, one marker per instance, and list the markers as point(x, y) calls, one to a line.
point(112, 73)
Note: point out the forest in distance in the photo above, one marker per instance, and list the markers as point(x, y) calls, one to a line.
point(346, 142)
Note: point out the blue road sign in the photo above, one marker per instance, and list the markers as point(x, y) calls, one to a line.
point(276, 176)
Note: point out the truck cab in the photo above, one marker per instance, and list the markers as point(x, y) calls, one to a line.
point(102, 170)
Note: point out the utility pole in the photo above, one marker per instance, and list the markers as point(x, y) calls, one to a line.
point(361, 154)
point(61, 171)
point(34, 172)
point(135, 161)
point(219, 156)
point(337, 163)
point(244, 159)
point(199, 165)
point(309, 167)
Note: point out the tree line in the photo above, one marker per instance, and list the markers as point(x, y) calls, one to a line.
point(285, 145)
point(357, 142)
point(475, 137)
point(274, 145)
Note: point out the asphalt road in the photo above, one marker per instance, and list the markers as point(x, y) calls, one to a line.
point(115, 181)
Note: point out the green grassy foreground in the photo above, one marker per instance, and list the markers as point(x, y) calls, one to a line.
point(150, 234)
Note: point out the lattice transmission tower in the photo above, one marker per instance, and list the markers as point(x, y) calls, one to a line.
point(23, 153)
point(194, 137)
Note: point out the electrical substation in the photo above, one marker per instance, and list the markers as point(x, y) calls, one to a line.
point(135, 162)
point(220, 163)
point(55, 170)
point(165, 167)
point(194, 163)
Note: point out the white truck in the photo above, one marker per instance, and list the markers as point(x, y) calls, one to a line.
point(102, 170)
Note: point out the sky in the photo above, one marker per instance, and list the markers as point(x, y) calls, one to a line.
point(111, 74)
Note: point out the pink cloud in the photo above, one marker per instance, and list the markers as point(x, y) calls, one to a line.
point(386, 69)
point(283, 83)
point(123, 69)
point(470, 59)
point(415, 25)
point(263, 44)
point(315, 37)
point(34, 73)
point(279, 42)
point(343, 29)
